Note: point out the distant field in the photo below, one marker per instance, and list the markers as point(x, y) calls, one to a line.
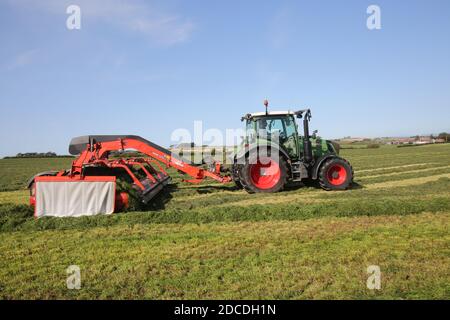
point(213, 241)
point(14, 173)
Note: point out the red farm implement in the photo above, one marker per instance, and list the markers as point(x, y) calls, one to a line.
point(90, 186)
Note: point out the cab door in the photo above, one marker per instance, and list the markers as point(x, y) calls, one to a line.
point(291, 142)
point(280, 130)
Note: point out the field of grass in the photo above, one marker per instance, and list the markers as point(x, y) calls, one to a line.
point(213, 241)
point(15, 172)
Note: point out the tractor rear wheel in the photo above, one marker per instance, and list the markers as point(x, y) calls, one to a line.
point(335, 174)
point(264, 174)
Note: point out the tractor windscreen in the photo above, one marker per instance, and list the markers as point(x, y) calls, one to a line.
point(271, 128)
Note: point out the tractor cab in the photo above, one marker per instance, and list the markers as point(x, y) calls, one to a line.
point(277, 127)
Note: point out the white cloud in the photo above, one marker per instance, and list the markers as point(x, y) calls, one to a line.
point(23, 59)
point(280, 28)
point(165, 28)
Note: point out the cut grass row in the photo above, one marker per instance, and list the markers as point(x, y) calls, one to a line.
point(404, 196)
point(14, 218)
point(390, 177)
point(391, 156)
point(394, 168)
point(397, 169)
point(417, 186)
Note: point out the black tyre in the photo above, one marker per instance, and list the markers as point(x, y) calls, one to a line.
point(265, 174)
point(310, 182)
point(335, 174)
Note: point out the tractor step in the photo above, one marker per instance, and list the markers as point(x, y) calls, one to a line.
point(299, 171)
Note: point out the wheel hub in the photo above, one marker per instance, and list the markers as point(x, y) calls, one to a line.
point(336, 174)
point(265, 174)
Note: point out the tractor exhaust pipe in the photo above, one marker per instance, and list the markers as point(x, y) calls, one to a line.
point(307, 148)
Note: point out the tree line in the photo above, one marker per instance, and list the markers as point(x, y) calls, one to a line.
point(37, 155)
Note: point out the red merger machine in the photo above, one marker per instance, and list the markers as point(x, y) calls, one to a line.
point(90, 186)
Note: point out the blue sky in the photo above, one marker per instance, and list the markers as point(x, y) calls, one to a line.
point(149, 67)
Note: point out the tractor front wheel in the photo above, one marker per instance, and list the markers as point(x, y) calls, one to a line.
point(264, 174)
point(335, 174)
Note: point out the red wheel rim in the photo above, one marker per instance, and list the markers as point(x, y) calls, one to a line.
point(265, 174)
point(336, 174)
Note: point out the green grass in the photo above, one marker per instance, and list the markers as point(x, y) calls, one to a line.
point(14, 173)
point(319, 258)
point(213, 241)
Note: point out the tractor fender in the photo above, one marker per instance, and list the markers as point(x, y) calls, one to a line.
point(316, 167)
point(240, 157)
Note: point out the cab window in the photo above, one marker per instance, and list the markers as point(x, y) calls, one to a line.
point(290, 127)
point(269, 127)
point(250, 130)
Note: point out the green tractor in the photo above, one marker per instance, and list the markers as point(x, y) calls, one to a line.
point(275, 153)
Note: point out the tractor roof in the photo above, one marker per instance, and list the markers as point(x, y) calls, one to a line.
point(271, 113)
point(298, 114)
point(268, 114)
